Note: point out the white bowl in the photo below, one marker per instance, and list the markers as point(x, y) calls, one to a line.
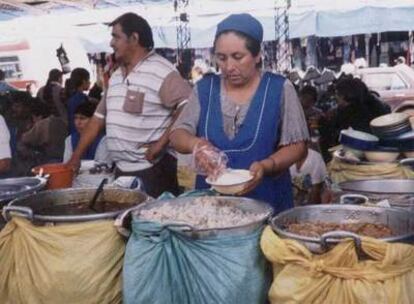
point(231, 181)
point(389, 120)
point(381, 156)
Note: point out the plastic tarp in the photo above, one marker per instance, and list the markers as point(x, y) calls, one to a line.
point(71, 263)
point(386, 276)
point(340, 171)
point(163, 265)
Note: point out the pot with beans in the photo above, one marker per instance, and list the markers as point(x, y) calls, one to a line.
point(319, 227)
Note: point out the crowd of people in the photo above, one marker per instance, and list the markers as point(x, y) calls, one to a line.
point(45, 128)
point(146, 111)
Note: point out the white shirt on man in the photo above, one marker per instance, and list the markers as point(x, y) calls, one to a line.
point(5, 151)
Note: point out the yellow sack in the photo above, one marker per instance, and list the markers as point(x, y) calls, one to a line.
point(338, 276)
point(340, 171)
point(69, 263)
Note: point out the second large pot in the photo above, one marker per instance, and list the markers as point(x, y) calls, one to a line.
point(399, 192)
point(401, 222)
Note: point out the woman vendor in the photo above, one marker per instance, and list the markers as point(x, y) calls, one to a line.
point(255, 117)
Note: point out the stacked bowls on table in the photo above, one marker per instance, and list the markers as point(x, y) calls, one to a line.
point(396, 135)
point(390, 125)
point(404, 142)
point(357, 142)
point(392, 135)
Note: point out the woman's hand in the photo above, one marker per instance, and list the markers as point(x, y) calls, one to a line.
point(257, 170)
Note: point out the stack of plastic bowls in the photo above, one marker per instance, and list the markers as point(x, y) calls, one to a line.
point(391, 125)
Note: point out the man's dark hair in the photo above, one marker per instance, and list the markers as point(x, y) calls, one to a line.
point(2, 75)
point(54, 75)
point(132, 23)
point(20, 97)
point(86, 108)
point(38, 108)
point(311, 91)
point(351, 90)
point(77, 77)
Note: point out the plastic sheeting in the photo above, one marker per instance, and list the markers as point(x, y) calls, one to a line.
point(340, 171)
point(386, 276)
point(71, 263)
point(164, 266)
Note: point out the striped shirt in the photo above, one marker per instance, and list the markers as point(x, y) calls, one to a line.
point(138, 109)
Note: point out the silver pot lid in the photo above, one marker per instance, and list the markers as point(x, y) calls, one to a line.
point(379, 186)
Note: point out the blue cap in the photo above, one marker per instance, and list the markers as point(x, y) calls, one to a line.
point(244, 23)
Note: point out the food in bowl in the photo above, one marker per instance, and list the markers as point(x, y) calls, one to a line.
point(202, 213)
point(231, 181)
point(317, 229)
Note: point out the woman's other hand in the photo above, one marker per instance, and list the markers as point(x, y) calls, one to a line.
point(257, 170)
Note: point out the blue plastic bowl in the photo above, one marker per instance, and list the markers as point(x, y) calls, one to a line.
point(404, 142)
point(358, 140)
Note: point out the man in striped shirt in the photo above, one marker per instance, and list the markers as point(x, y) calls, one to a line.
point(143, 99)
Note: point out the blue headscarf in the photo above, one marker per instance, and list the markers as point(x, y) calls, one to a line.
point(244, 23)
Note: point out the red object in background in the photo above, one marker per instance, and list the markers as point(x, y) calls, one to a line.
point(17, 46)
point(22, 84)
point(61, 175)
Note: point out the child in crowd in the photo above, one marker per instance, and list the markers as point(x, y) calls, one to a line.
point(77, 84)
point(97, 150)
point(308, 176)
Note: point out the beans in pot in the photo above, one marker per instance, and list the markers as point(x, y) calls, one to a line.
point(316, 229)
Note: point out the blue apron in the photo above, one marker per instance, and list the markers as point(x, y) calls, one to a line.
point(256, 139)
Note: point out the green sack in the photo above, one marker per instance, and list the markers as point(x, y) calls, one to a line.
point(164, 265)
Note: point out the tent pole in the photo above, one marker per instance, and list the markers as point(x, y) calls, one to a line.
point(282, 53)
point(183, 37)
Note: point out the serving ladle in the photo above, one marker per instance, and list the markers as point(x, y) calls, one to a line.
point(97, 193)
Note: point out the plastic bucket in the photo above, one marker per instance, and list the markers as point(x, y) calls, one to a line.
point(61, 175)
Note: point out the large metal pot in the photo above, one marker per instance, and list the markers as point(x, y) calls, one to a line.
point(400, 221)
point(33, 207)
point(242, 203)
point(11, 188)
point(399, 192)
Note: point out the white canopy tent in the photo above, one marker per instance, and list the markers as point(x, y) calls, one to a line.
point(322, 18)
